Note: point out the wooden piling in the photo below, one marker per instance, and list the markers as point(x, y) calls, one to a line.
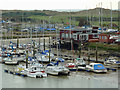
point(26, 58)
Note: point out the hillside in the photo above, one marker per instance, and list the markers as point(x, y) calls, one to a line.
point(92, 15)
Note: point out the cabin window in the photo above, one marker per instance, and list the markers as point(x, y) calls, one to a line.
point(35, 68)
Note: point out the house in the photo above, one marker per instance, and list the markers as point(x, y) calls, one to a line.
point(80, 34)
point(108, 38)
point(104, 38)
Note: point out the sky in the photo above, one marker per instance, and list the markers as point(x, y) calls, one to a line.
point(56, 4)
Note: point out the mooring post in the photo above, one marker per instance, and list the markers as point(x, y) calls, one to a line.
point(33, 48)
point(88, 55)
point(44, 44)
point(26, 58)
point(17, 43)
point(39, 42)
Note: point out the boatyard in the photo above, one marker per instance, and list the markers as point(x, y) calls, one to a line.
point(60, 49)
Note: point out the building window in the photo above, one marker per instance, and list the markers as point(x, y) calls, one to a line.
point(105, 37)
point(102, 37)
point(74, 37)
point(83, 37)
point(66, 35)
point(63, 35)
point(95, 36)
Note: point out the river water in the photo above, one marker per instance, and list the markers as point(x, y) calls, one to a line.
point(77, 79)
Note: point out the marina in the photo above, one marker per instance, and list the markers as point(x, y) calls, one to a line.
point(77, 74)
point(54, 49)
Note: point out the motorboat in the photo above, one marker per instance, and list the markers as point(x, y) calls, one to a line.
point(80, 61)
point(80, 64)
point(30, 60)
point(9, 61)
point(96, 67)
point(14, 58)
point(111, 61)
point(55, 69)
point(33, 70)
point(43, 58)
point(71, 66)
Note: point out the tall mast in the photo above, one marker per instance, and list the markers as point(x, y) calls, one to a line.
point(22, 22)
point(101, 18)
point(99, 15)
point(111, 13)
point(1, 27)
point(70, 32)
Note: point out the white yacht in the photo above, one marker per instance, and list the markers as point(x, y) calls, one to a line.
point(43, 58)
point(80, 64)
point(55, 69)
point(9, 61)
point(96, 67)
point(111, 61)
point(35, 70)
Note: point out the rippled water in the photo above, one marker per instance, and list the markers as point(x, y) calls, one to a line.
point(75, 80)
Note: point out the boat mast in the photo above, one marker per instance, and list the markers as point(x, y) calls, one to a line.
point(49, 38)
point(70, 32)
point(22, 22)
point(57, 41)
point(111, 13)
point(101, 18)
point(99, 15)
point(1, 27)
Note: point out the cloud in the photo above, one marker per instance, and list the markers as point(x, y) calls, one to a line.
point(55, 4)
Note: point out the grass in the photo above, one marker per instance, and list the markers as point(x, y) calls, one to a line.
point(65, 19)
point(104, 46)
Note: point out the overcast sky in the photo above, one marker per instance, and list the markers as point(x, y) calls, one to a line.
point(56, 4)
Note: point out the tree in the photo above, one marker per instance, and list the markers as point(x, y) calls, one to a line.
point(83, 22)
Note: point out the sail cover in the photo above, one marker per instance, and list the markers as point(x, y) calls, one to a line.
point(98, 67)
